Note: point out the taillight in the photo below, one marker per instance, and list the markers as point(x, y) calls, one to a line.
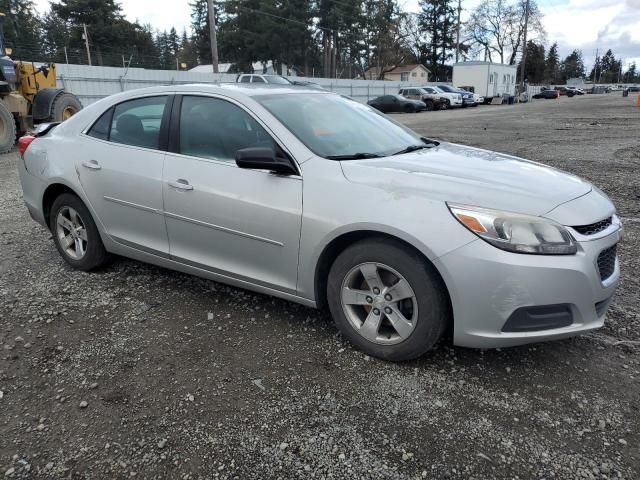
point(24, 142)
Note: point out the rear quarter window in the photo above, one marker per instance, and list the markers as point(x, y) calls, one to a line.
point(100, 128)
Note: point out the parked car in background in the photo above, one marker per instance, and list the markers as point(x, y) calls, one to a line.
point(448, 99)
point(467, 97)
point(260, 78)
point(477, 98)
point(576, 90)
point(547, 93)
point(433, 101)
point(307, 84)
point(562, 91)
point(396, 104)
point(402, 237)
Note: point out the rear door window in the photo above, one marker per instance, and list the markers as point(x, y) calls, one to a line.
point(258, 80)
point(137, 122)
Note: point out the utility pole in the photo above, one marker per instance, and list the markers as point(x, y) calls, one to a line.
point(595, 68)
point(86, 42)
point(524, 44)
point(458, 31)
point(66, 57)
point(212, 36)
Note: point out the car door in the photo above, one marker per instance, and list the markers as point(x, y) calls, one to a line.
point(120, 162)
point(234, 222)
point(394, 104)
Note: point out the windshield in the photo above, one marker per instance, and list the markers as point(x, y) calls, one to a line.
point(335, 126)
point(277, 80)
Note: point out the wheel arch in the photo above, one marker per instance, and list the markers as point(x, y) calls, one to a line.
point(53, 191)
point(342, 241)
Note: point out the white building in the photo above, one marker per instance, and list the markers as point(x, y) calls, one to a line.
point(486, 78)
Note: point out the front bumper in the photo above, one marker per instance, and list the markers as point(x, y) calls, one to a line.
point(487, 285)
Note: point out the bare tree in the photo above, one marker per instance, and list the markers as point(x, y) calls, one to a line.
point(497, 27)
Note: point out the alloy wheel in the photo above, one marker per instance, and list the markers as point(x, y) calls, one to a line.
point(379, 303)
point(71, 233)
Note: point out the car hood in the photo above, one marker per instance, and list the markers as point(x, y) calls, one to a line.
point(470, 176)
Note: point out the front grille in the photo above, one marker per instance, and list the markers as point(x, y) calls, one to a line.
point(593, 228)
point(607, 262)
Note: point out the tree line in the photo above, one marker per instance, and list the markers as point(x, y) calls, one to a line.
point(546, 67)
point(330, 38)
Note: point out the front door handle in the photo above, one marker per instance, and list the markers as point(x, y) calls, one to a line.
point(92, 164)
point(181, 184)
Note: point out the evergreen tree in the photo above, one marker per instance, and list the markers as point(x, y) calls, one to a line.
point(534, 69)
point(437, 19)
point(200, 27)
point(22, 29)
point(55, 39)
point(103, 19)
point(552, 65)
point(573, 66)
point(187, 53)
point(631, 75)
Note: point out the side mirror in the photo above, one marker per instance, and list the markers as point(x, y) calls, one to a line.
point(261, 158)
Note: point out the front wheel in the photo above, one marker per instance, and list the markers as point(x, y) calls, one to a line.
point(386, 300)
point(75, 233)
point(7, 129)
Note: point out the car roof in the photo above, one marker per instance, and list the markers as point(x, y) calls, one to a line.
point(228, 89)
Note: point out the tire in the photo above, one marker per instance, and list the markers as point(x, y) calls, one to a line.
point(427, 308)
point(7, 129)
point(94, 255)
point(446, 105)
point(65, 105)
point(409, 109)
point(429, 105)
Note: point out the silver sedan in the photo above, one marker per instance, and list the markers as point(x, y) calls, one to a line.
point(318, 199)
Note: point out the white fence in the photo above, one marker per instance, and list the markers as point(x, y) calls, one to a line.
point(90, 83)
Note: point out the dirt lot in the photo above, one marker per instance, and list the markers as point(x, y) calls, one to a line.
point(136, 371)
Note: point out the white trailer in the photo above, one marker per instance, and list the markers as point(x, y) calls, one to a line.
point(486, 78)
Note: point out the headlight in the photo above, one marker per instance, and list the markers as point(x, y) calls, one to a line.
point(514, 232)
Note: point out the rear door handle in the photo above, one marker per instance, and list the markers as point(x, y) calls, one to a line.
point(181, 184)
point(92, 164)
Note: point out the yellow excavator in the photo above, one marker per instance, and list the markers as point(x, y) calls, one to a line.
point(28, 96)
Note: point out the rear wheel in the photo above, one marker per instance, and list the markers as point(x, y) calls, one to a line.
point(75, 233)
point(7, 129)
point(386, 300)
point(64, 106)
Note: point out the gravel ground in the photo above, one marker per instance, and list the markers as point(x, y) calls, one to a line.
point(136, 371)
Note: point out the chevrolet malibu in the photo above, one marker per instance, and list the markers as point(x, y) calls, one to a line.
point(312, 197)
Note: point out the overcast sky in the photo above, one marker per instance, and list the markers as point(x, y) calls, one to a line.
point(583, 24)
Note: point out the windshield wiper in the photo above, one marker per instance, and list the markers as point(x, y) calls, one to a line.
point(353, 156)
point(428, 143)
